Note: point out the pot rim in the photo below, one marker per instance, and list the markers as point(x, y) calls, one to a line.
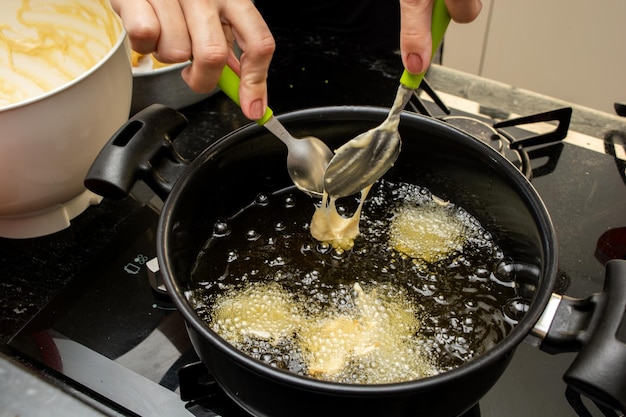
point(121, 40)
point(495, 353)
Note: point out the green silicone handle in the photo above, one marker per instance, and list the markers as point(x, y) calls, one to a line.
point(439, 24)
point(229, 84)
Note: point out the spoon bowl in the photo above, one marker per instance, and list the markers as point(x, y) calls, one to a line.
point(366, 158)
point(307, 158)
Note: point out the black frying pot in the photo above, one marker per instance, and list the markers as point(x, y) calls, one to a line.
point(453, 165)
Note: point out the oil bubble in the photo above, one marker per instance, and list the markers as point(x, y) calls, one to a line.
point(278, 261)
point(262, 200)
point(221, 228)
point(289, 202)
point(252, 235)
point(515, 309)
point(505, 270)
point(482, 272)
point(306, 247)
point(323, 247)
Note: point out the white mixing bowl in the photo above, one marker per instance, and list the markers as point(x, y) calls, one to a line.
point(48, 142)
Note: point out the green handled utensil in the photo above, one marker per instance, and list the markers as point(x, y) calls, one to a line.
point(365, 159)
point(307, 158)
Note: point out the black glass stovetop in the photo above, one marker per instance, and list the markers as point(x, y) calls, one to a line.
point(109, 336)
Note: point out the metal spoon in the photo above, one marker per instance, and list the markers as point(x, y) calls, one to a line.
point(307, 158)
point(364, 159)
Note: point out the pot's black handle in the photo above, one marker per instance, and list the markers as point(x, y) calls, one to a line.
point(596, 326)
point(140, 150)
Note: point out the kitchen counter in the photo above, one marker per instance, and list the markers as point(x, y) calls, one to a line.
point(32, 271)
point(499, 99)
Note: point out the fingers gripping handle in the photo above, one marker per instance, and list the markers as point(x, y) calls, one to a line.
point(439, 24)
point(229, 83)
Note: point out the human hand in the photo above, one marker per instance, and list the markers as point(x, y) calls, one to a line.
point(176, 30)
point(415, 37)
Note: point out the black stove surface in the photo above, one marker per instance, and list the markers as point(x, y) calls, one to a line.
point(106, 332)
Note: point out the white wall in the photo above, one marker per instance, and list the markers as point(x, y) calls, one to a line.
point(573, 50)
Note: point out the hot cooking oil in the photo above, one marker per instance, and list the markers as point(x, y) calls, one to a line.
point(417, 294)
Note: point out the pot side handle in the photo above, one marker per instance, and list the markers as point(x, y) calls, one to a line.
point(140, 150)
point(596, 327)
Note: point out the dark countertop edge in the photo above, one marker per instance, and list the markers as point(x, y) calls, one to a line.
point(518, 101)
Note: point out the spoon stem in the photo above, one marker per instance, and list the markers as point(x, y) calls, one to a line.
point(402, 98)
point(278, 130)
